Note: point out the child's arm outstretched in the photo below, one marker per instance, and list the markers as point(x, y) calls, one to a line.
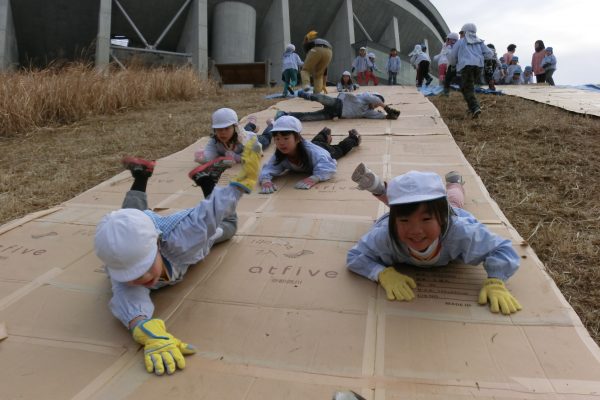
point(369, 258)
point(268, 171)
point(324, 167)
point(479, 245)
point(207, 154)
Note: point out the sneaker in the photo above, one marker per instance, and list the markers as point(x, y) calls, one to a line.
point(303, 94)
point(279, 114)
point(476, 113)
point(139, 167)
point(252, 121)
point(428, 81)
point(324, 135)
point(212, 169)
point(367, 180)
point(454, 177)
point(353, 133)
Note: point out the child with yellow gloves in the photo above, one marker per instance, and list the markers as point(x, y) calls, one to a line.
point(427, 227)
point(143, 251)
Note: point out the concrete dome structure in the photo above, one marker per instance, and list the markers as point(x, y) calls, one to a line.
point(36, 32)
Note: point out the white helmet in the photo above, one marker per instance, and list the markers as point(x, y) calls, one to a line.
point(453, 35)
point(371, 55)
point(126, 241)
point(346, 73)
point(224, 117)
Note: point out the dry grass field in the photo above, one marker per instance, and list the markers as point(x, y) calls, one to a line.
point(541, 164)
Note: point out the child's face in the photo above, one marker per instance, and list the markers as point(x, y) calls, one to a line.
point(150, 277)
point(419, 229)
point(394, 53)
point(224, 135)
point(345, 78)
point(286, 143)
point(362, 53)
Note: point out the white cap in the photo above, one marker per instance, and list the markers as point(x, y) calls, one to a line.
point(126, 242)
point(415, 187)
point(371, 55)
point(363, 48)
point(290, 47)
point(453, 35)
point(224, 117)
point(469, 28)
point(347, 73)
point(287, 123)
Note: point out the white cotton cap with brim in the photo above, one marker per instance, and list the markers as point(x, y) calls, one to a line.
point(415, 187)
point(126, 241)
point(346, 73)
point(287, 123)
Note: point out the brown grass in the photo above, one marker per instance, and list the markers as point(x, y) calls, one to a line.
point(542, 165)
point(50, 97)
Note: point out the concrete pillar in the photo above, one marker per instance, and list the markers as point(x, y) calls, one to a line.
point(273, 36)
point(9, 53)
point(391, 36)
point(426, 43)
point(103, 37)
point(194, 38)
point(341, 37)
point(233, 33)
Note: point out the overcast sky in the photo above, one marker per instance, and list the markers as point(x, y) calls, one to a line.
point(572, 28)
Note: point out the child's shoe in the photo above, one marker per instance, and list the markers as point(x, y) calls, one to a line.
point(253, 121)
point(454, 177)
point(353, 133)
point(246, 179)
point(367, 180)
point(324, 135)
point(280, 114)
point(428, 81)
point(212, 169)
point(139, 167)
point(476, 113)
point(303, 94)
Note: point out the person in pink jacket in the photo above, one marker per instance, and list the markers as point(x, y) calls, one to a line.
point(536, 61)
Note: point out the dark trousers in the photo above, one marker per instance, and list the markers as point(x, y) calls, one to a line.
point(332, 108)
point(336, 150)
point(423, 73)
point(392, 78)
point(264, 138)
point(540, 78)
point(450, 76)
point(470, 74)
point(549, 78)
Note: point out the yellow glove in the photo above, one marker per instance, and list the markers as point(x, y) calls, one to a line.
point(397, 286)
point(499, 297)
point(247, 178)
point(161, 350)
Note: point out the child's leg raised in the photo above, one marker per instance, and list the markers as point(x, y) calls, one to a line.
point(455, 189)
point(141, 171)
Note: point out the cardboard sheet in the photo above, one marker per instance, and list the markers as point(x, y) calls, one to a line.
point(577, 100)
point(274, 312)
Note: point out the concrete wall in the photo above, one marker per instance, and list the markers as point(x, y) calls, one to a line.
point(9, 54)
point(273, 35)
point(391, 36)
point(103, 37)
point(341, 36)
point(194, 38)
point(233, 33)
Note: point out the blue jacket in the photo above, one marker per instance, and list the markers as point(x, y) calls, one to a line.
point(463, 54)
point(321, 164)
point(549, 62)
point(467, 241)
point(393, 64)
point(185, 238)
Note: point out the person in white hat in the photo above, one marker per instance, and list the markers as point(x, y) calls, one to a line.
point(442, 57)
point(346, 105)
point(294, 153)
point(290, 65)
point(346, 84)
point(224, 147)
point(420, 61)
point(468, 54)
point(426, 227)
point(143, 251)
point(372, 68)
point(360, 66)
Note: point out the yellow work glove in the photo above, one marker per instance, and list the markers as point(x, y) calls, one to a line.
point(162, 351)
point(500, 299)
point(397, 286)
point(246, 179)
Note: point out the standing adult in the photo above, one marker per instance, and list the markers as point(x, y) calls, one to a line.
point(318, 56)
point(536, 61)
point(510, 52)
